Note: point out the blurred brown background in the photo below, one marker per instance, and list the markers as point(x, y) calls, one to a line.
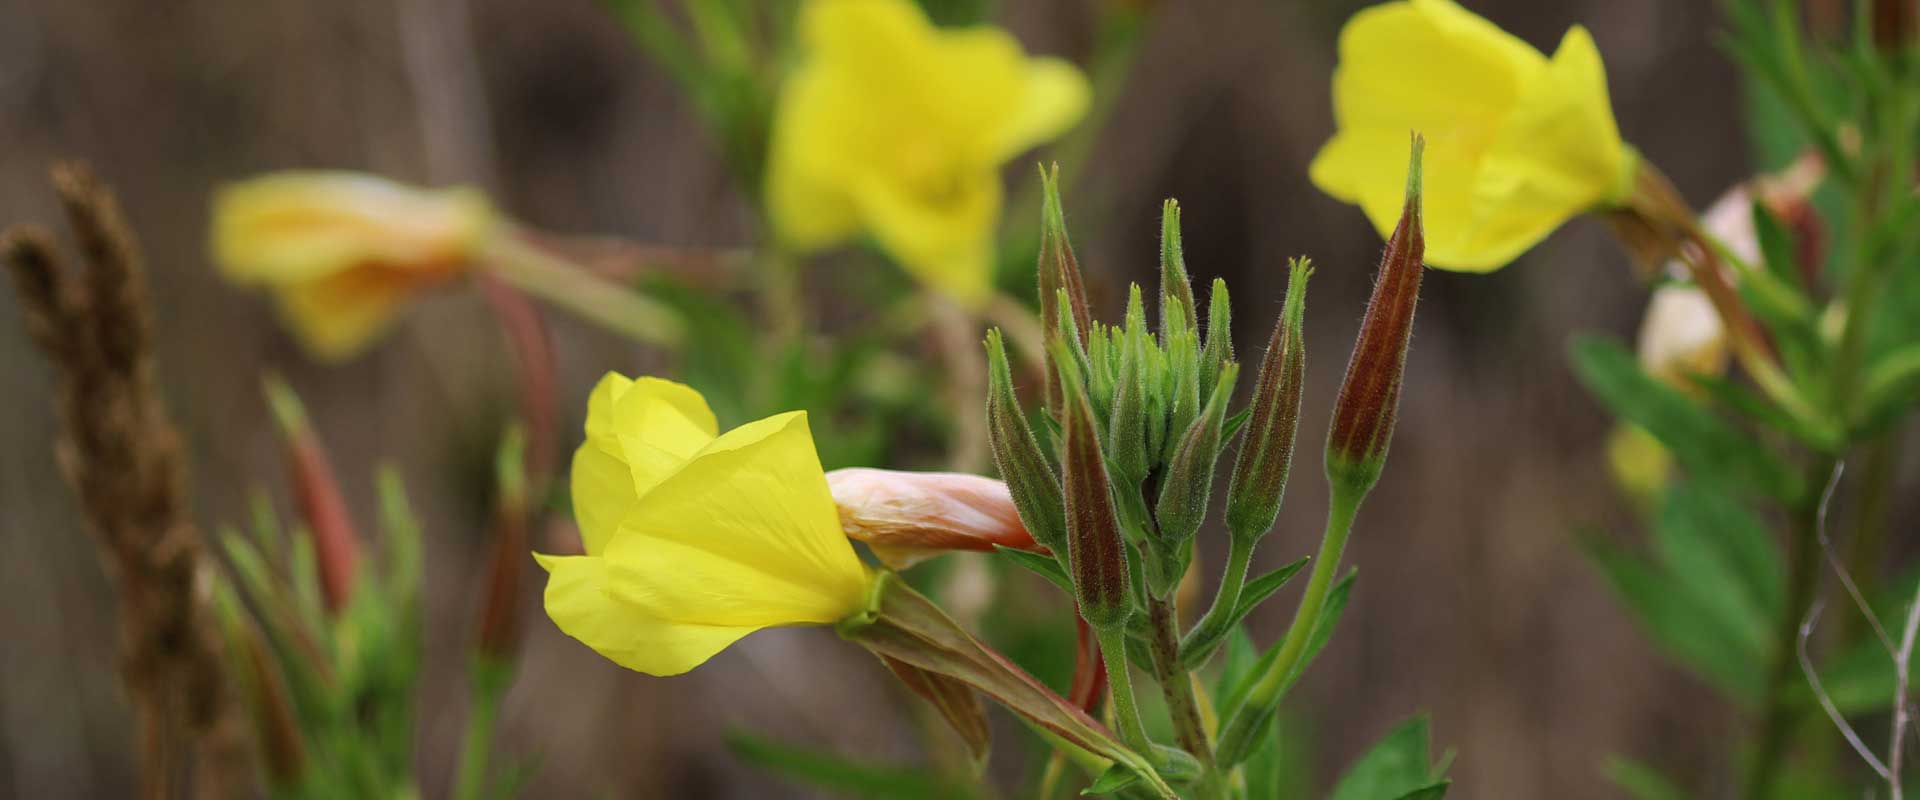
point(1474, 602)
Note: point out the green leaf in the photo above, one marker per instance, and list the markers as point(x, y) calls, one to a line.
point(829, 771)
point(1432, 791)
point(1397, 767)
point(1234, 423)
point(1323, 626)
point(1641, 781)
point(1723, 562)
point(1196, 652)
point(1675, 623)
point(1116, 777)
point(1893, 389)
point(1709, 448)
point(1040, 565)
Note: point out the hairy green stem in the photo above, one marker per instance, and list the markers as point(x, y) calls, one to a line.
point(1177, 686)
point(1126, 711)
point(1243, 727)
point(560, 282)
point(1219, 617)
point(489, 678)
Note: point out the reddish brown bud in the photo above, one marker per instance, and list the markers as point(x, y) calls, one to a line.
point(1059, 271)
point(1364, 414)
point(336, 548)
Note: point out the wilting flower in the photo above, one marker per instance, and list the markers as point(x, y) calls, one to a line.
point(344, 251)
point(694, 540)
point(1518, 143)
point(1682, 336)
point(896, 128)
point(907, 517)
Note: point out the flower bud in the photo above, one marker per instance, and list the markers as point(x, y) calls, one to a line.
point(1369, 400)
point(1219, 348)
point(1127, 422)
point(908, 517)
point(1188, 482)
point(1266, 452)
point(1097, 556)
point(1059, 272)
point(336, 548)
point(1030, 481)
point(1176, 288)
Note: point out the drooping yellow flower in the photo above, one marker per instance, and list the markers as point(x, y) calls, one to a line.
point(694, 540)
point(896, 128)
point(344, 251)
point(1516, 143)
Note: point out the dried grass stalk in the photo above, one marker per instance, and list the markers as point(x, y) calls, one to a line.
point(122, 455)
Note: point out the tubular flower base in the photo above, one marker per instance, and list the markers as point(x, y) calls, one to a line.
point(1519, 142)
point(897, 128)
point(343, 251)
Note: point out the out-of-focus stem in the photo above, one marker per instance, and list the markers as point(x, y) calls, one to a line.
point(490, 679)
point(956, 333)
point(569, 286)
point(1780, 712)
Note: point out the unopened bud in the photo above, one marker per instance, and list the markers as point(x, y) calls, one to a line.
point(1682, 336)
point(1030, 481)
point(1096, 554)
point(1189, 478)
point(1176, 288)
point(1266, 451)
point(1369, 400)
point(1059, 272)
point(1127, 422)
point(1219, 349)
point(336, 547)
point(908, 517)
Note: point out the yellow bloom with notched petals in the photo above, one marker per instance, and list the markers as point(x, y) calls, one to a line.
point(344, 252)
point(896, 128)
point(695, 539)
point(1517, 143)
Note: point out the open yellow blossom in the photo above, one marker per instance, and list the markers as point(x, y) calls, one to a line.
point(1516, 143)
point(896, 128)
point(344, 252)
point(693, 539)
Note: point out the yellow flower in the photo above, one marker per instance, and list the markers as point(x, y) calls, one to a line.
point(896, 128)
point(694, 540)
point(343, 251)
point(1516, 143)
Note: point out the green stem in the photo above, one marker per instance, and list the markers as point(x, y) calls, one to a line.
point(490, 679)
point(1243, 727)
point(1219, 618)
point(1780, 711)
point(574, 288)
point(1126, 711)
point(1177, 686)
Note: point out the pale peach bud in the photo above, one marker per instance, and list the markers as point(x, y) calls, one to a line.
point(1682, 336)
point(907, 517)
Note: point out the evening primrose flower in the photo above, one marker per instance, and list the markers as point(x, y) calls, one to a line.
point(344, 252)
point(695, 539)
point(896, 128)
point(1517, 142)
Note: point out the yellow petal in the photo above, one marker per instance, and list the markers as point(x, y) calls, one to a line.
point(810, 151)
point(337, 317)
point(745, 533)
point(294, 227)
point(638, 432)
point(1055, 97)
point(943, 237)
point(579, 604)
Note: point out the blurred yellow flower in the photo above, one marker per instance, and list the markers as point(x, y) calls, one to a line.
point(344, 251)
point(694, 540)
point(1516, 143)
point(897, 128)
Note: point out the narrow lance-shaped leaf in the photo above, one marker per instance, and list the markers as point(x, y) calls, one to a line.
point(1369, 400)
point(1266, 454)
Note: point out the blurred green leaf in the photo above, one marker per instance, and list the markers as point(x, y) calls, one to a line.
point(1114, 779)
point(829, 771)
point(1641, 781)
point(1723, 559)
point(1043, 566)
point(1676, 623)
point(1709, 448)
point(1397, 767)
point(1893, 389)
